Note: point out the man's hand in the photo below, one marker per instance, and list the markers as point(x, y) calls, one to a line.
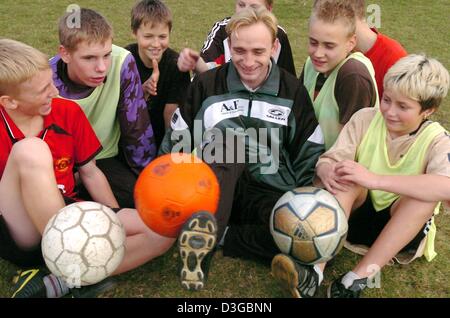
point(187, 61)
point(151, 85)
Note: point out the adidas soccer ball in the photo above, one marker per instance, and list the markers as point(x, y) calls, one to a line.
point(83, 243)
point(308, 224)
point(173, 187)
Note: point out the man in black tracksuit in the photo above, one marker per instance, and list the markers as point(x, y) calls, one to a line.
point(254, 123)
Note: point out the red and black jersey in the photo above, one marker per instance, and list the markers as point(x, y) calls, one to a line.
point(67, 132)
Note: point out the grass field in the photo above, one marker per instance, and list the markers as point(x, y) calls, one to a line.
point(419, 25)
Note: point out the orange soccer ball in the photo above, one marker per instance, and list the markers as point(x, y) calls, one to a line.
point(173, 187)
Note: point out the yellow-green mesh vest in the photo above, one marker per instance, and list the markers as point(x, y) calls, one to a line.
point(100, 106)
point(372, 154)
point(325, 104)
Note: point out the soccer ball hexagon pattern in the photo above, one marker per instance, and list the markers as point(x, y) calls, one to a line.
point(309, 224)
point(83, 243)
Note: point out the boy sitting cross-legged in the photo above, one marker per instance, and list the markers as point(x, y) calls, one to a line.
point(389, 169)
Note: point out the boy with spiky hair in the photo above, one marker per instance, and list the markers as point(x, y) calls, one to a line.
point(380, 49)
point(164, 85)
point(395, 165)
point(43, 138)
point(216, 50)
point(102, 78)
point(339, 81)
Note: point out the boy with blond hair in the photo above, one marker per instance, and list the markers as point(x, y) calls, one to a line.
point(380, 49)
point(339, 81)
point(43, 138)
point(216, 51)
point(164, 85)
point(389, 169)
point(102, 78)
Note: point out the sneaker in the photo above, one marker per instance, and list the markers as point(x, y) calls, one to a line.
point(94, 290)
point(196, 242)
point(338, 290)
point(300, 280)
point(29, 284)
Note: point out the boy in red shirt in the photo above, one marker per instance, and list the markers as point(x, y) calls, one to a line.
point(42, 139)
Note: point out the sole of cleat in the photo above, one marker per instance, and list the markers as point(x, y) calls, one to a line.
point(284, 271)
point(197, 239)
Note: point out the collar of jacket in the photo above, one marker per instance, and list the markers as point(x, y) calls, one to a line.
point(269, 87)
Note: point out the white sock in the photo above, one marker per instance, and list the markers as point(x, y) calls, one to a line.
point(319, 272)
point(349, 278)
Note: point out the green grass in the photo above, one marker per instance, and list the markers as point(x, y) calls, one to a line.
point(420, 26)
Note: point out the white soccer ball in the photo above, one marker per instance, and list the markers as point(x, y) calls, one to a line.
point(83, 243)
point(309, 224)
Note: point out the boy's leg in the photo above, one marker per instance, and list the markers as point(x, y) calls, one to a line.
point(29, 195)
point(142, 244)
point(408, 217)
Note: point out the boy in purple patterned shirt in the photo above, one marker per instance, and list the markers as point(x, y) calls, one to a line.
point(104, 80)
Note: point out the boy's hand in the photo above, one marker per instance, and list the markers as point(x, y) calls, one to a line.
point(351, 171)
point(326, 173)
point(150, 86)
point(187, 61)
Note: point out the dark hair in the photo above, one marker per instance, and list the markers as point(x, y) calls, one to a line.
point(150, 11)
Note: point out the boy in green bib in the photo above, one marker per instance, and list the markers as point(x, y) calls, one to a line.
point(389, 170)
point(338, 81)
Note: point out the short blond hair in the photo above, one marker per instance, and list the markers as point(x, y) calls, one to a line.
point(359, 6)
point(420, 78)
point(331, 11)
point(251, 16)
point(18, 63)
point(93, 28)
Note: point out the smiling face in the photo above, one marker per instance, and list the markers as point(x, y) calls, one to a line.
point(251, 48)
point(329, 44)
point(34, 96)
point(153, 41)
point(401, 114)
point(89, 63)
